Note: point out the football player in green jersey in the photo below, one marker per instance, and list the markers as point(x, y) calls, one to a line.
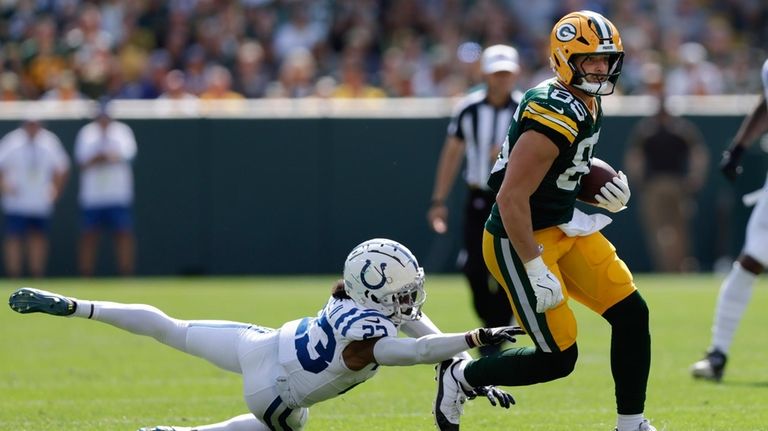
point(542, 250)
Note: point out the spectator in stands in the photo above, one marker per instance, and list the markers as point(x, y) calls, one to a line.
point(194, 68)
point(43, 55)
point(43, 38)
point(176, 99)
point(218, 82)
point(694, 75)
point(354, 83)
point(33, 172)
point(104, 149)
point(65, 88)
point(174, 87)
point(300, 31)
point(297, 76)
point(251, 77)
point(9, 87)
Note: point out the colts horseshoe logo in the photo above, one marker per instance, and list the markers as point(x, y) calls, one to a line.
point(380, 270)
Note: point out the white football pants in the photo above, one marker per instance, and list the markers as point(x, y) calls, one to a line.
point(756, 241)
point(242, 348)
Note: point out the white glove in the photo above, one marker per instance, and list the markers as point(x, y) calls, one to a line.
point(614, 195)
point(545, 285)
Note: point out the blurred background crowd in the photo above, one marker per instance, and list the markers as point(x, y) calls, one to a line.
point(219, 49)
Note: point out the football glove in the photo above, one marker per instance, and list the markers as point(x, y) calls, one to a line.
point(485, 336)
point(545, 285)
point(615, 194)
point(730, 164)
point(495, 396)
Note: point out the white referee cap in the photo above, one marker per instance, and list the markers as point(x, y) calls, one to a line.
point(500, 58)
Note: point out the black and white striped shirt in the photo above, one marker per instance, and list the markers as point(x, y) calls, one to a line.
point(483, 128)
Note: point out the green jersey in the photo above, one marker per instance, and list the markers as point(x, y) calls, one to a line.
point(551, 109)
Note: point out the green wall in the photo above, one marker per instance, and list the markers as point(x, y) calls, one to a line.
point(273, 196)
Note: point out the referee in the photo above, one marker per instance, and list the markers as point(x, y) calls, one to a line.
point(476, 131)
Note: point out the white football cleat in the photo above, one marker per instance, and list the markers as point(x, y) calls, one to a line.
point(711, 367)
point(449, 402)
point(645, 425)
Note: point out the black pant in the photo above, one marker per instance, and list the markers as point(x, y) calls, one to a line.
point(490, 300)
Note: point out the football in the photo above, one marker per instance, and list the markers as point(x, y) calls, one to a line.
point(599, 173)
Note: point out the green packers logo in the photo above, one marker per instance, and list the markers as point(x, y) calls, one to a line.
point(566, 32)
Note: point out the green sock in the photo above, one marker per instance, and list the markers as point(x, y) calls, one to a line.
point(630, 352)
point(520, 366)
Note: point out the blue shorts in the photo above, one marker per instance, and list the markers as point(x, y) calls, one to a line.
point(16, 225)
point(114, 218)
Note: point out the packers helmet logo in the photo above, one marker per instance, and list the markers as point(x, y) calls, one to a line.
point(379, 270)
point(566, 32)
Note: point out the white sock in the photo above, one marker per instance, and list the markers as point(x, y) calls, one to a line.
point(139, 319)
point(84, 308)
point(731, 303)
point(629, 422)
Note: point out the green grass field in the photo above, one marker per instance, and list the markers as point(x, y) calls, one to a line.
point(72, 374)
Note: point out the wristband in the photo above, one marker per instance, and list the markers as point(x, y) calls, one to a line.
point(473, 338)
point(535, 266)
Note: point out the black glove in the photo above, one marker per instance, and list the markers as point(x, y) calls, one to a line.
point(485, 336)
point(494, 395)
point(730, 164)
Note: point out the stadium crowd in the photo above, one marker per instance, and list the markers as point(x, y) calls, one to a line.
point(70, 49)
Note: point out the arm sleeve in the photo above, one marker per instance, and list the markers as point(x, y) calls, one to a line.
point(429, 349)
point(424, 326)
point(420, 328)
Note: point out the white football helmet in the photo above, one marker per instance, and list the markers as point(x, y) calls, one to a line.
point(384, 275)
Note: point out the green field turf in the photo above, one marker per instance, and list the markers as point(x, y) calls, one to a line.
point(72, 374)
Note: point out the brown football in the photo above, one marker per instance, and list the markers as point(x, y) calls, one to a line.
point(599, 173)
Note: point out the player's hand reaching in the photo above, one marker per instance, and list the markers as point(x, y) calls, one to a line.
point(495, 396)
point(545, 285)
point(615, 194)
point(730, 164)
point(485, 336)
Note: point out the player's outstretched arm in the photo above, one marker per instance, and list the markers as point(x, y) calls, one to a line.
point(424, 326)
point(435, 348)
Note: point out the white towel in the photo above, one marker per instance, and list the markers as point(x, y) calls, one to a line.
point(583, 224)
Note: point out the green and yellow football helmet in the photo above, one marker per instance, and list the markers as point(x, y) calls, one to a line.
point(580, 34)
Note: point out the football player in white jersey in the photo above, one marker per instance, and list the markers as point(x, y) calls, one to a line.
point(737, 287)
point(309, 360)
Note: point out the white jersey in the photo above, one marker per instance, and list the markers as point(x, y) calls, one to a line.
point(310, 350)
point(111, 183)
point(28, 168)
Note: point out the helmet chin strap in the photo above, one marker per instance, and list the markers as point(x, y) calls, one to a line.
point(596, 89)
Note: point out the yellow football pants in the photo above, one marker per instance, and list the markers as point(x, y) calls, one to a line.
point(589, 272)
